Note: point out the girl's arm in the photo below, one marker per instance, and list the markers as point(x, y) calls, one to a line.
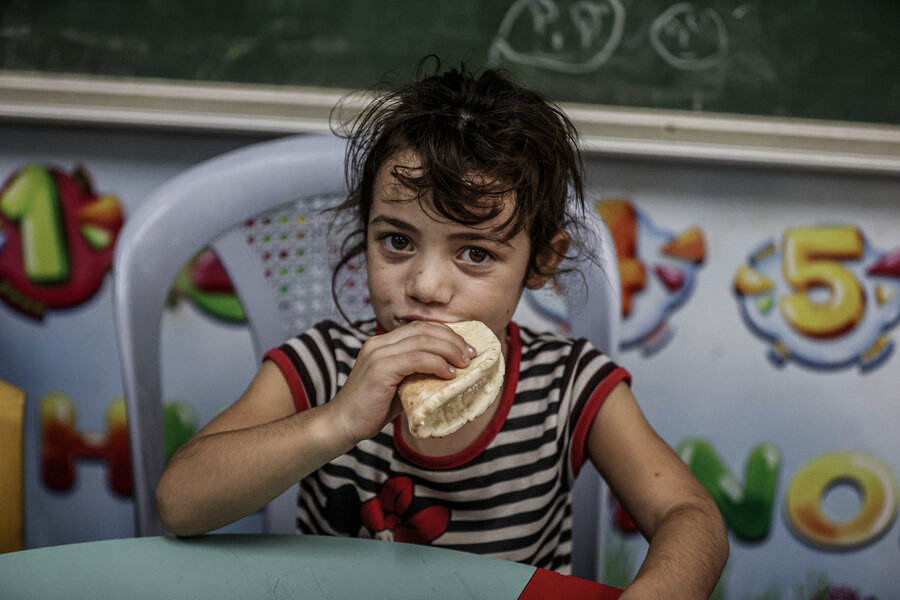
point(260, 446)
point(245, 457)
point(688, 542)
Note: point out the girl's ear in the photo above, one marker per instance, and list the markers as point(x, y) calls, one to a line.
point(548, 260)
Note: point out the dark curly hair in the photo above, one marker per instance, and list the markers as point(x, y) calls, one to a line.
point(460, 124)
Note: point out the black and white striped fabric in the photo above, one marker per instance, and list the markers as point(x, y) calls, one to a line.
point(507, 495)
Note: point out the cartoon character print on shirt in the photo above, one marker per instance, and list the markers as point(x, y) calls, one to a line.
point(393, 514)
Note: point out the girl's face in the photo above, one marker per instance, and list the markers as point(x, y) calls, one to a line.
point(422, 267)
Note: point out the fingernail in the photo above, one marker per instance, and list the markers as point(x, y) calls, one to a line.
point(452, 370)
point(471, 350)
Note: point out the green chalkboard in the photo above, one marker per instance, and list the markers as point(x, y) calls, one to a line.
point(822, 59)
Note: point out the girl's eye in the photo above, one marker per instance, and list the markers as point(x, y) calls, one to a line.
point(475, 255)
point(397, 242)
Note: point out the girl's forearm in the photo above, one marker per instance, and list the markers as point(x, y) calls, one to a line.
point(687, 554)
point(219, 478)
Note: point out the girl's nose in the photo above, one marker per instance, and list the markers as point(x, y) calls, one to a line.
point(429, 283)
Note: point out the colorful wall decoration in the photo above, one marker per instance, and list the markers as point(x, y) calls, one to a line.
point(657, 269)
point(822, 296)
point(57, 238)
point(64, 196)
point(760, 327)
point(204, 282)
point(64, 445)
point(806, 504)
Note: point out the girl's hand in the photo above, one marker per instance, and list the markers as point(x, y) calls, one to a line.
point(368, 400)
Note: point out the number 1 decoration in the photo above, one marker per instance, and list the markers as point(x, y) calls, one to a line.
point(57, 238)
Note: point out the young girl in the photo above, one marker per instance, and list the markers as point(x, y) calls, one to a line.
point(465, 190)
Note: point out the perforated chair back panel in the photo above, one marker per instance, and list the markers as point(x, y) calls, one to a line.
point(287, 254)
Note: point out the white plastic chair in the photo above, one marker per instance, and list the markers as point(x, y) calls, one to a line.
point(272, 189)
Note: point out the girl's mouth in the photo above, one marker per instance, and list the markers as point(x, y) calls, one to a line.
point(410, 318)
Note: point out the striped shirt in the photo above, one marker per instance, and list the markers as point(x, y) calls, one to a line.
point(507, 495)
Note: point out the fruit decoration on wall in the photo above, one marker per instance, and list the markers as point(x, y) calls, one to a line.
point(57, 238)
point(823, 297)
point(657, 268)
point(204, 282)
point(657, 271)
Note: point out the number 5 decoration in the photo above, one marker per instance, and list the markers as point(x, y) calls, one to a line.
point(57, 238)
point(823, 297)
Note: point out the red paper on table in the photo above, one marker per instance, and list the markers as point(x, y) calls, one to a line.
point(550, 584)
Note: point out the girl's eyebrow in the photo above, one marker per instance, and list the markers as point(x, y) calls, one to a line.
point(480, 237)
point(475, 236)
point(396, 223)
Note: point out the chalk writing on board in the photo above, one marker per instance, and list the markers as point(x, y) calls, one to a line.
point(559, 35)
point(689, 38)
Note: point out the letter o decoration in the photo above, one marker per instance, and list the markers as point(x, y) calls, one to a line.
point(877, 487)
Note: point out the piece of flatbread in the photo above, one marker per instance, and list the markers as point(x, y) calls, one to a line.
point(437, 407)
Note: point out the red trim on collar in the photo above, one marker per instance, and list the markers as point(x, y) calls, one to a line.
point(450, 461)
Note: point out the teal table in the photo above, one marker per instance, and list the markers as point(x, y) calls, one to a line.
point(274, 566)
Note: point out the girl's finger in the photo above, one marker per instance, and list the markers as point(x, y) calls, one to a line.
point(433, 337)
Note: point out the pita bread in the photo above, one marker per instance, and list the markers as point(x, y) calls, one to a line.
point(437, 407)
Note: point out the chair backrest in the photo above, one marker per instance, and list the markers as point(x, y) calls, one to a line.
point(197, 209)
point(591, 307)
point(260, 210)
point(12, 479)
